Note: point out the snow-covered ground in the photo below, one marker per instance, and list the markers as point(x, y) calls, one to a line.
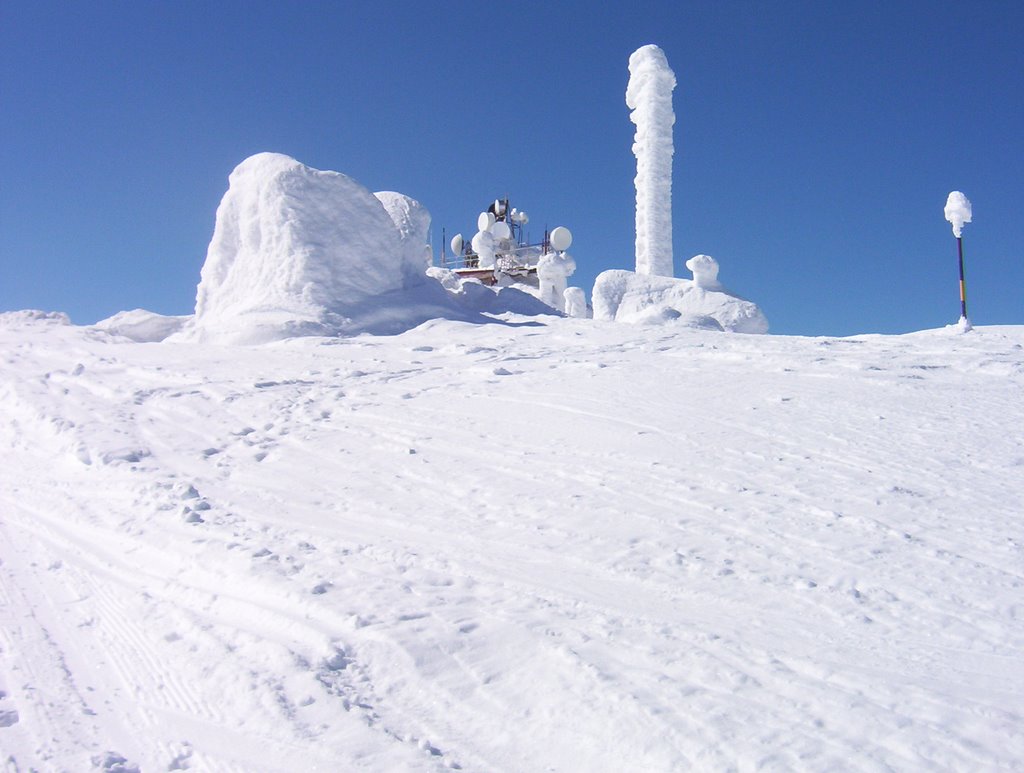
point(535, 544)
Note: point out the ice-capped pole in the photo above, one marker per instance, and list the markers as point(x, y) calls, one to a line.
point(958, 212)
point(649, 97)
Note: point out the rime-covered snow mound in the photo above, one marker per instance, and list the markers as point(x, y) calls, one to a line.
point(623, 296)
point(295, 250)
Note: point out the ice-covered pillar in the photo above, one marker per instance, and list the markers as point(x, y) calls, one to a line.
point(649, 97)
point(553, 272)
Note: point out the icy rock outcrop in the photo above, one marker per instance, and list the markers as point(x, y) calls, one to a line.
point(553, 272)
point(649, 97)
point(623, 296)
point(413, 223)
point(294, 250)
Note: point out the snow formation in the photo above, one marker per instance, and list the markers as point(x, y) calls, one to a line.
point(704, 302)
point(649, 97)
point(295, 250)
point(553, 272)
point(576, 302)
point(413, 223)
point(957, 211)
point(705, 272)
point(547, 544)
point(143, 326)
point(483, 246)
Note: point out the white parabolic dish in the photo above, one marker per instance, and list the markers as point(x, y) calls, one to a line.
point(561, 238)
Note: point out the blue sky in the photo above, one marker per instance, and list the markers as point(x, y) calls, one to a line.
point(815, 142)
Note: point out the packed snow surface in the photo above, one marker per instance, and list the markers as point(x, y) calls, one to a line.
point(623, 296)
point(533, 544)
point(649, 98)
point(957, 211)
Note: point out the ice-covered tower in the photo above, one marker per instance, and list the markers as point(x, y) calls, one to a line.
point(649, 97)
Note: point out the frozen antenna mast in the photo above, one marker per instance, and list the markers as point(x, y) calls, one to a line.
point(649, 97)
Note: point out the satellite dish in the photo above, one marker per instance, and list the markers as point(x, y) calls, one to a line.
point(485, 221)
point(499, 207)
point(523, 219)
point(500, 230)
point(561, 238)
point(457, 244)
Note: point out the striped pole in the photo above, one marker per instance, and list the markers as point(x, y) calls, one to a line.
point(963, 286)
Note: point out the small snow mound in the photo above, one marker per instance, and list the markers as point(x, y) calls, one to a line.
point(142, 326)
point(473, 297)
point(957, 211)
point(623, 296)
point(112, 762)
point(963, 325)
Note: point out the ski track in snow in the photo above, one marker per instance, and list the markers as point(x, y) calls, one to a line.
point(581, 546)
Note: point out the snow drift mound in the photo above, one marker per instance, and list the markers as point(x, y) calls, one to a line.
point(142, 326)
point(296, 249)
point(703, 303)
point(33, 317)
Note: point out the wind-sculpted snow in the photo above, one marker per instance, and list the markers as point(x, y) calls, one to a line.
point(649, 98)
point(703, 303)
point(412, 221)
point(553, 272)
point(295, 250)
point(143, 326)
point(548, 544)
